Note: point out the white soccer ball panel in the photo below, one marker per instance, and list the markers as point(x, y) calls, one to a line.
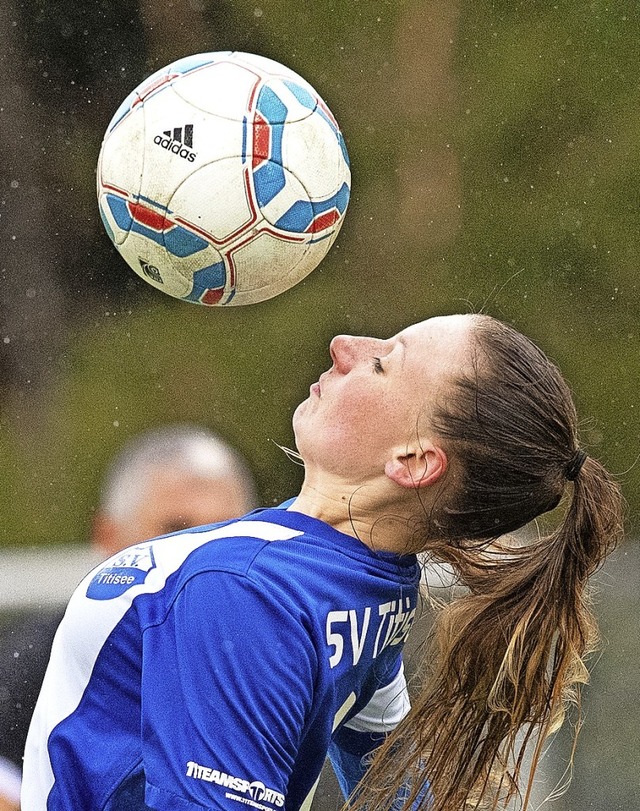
point(214, 198)
point(142, 254)
point(122, 156)
point(270, 68)
point(222, 89)
point(325, 174)
point(267, 266)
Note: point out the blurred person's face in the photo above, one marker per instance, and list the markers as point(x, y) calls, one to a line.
point(172, 500)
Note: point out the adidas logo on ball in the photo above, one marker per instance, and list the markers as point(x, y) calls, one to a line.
point(179, 141)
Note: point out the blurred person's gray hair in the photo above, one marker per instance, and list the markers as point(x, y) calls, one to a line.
point(192, 450)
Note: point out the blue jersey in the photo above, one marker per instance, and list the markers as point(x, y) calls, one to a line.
point(215, 668)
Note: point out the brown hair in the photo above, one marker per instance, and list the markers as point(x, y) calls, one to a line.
point(508, 656)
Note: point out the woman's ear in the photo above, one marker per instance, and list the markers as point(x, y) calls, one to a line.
point(418, 468)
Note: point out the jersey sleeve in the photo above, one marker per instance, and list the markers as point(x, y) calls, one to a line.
point(358, 738)
point(228, 681)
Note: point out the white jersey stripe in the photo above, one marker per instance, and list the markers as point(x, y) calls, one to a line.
point(99, 618)
point(387, 707)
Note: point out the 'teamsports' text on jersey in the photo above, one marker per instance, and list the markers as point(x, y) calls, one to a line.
point(214, 668)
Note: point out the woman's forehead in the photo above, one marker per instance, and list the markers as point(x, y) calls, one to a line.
point(442, 327)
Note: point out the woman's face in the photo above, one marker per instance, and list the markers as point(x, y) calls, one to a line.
point(377, 397)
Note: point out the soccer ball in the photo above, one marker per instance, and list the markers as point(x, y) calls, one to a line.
point(223, 179)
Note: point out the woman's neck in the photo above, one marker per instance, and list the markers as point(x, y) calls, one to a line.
point(358, 510)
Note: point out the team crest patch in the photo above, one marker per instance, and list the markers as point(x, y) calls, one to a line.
point(128, 569)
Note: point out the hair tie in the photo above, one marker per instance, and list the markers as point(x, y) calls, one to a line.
point(575, 465)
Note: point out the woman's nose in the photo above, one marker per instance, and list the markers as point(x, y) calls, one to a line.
point(346, 350)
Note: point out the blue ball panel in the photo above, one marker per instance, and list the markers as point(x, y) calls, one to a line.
point(268, 180)
point(298, 218)
point(271, 106)
point(121, 214)
point(304, 97)
point(181, 242)
point(211, 277)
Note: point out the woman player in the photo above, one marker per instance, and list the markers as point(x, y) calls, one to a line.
point(217, 667)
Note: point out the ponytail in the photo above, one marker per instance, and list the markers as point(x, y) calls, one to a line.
point(505, 660)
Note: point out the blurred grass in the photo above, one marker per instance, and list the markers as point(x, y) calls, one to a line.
point(530, 159)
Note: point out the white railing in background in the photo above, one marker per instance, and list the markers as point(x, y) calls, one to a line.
point(42, 576)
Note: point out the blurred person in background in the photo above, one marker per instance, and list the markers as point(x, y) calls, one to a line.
point(163, 480)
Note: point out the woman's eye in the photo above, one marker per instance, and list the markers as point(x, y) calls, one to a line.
point(377, 365)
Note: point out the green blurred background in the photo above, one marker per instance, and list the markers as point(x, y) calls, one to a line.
point(496, 167)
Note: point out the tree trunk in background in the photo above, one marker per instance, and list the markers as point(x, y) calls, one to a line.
point(429, 183)
point(409, 206)
point(32, 318)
